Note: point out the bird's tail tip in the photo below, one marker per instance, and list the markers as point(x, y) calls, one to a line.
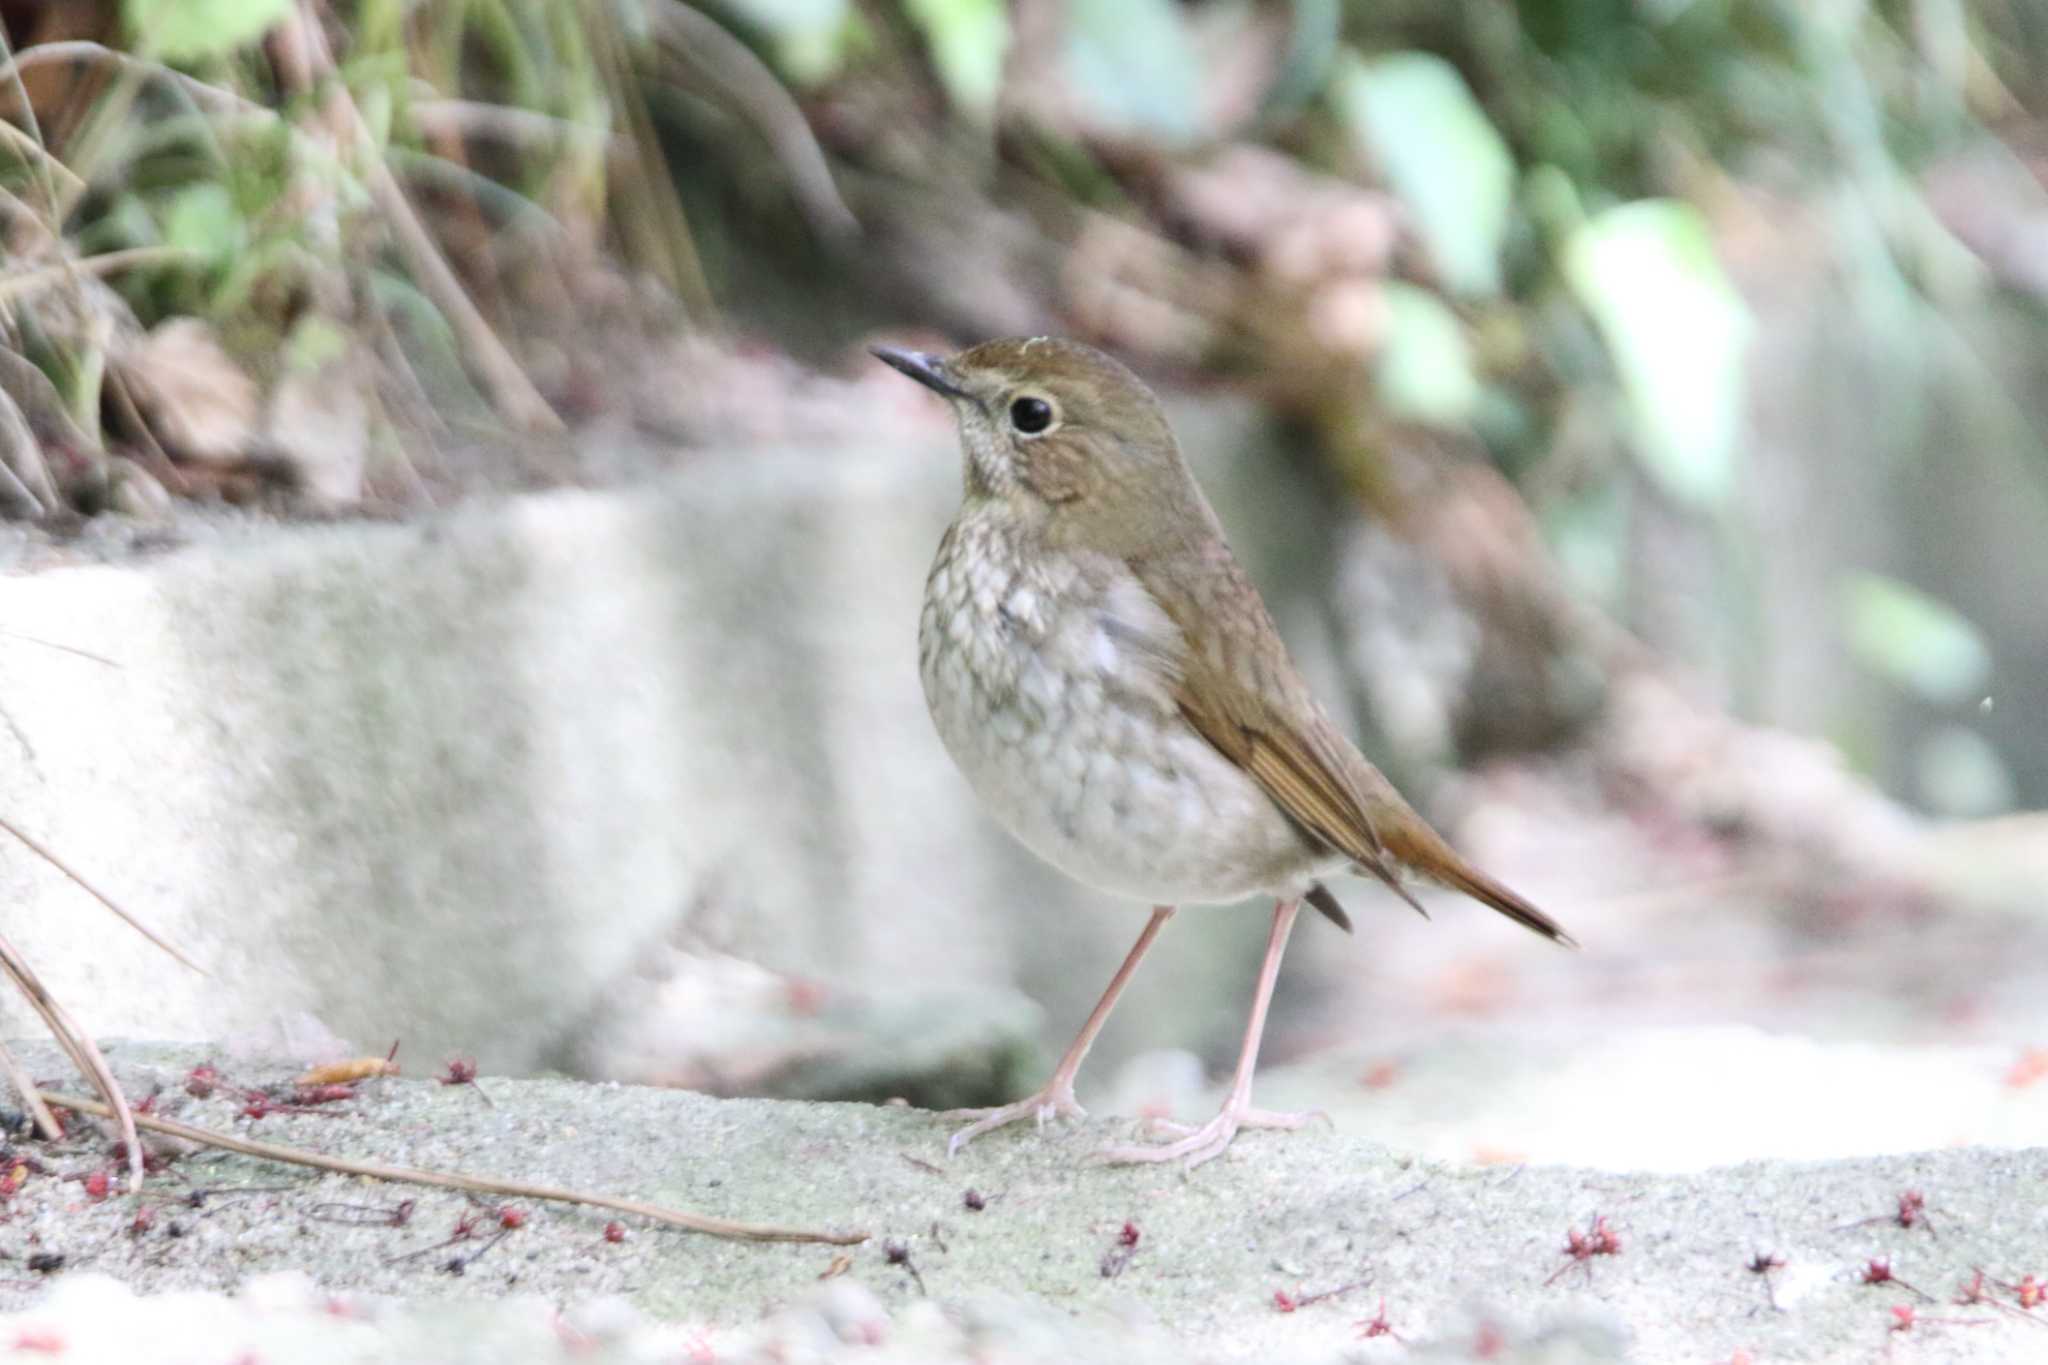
point(1434, 859)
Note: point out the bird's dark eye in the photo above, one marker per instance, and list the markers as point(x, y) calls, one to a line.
point(1031, 415)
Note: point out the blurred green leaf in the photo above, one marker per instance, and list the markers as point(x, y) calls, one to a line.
point(203, 218)
point(1917, 641)
point(968, 39)
point(1425, 369)
point(313, 342)
point(1676, 331)
point(1588, 532)
point(1413, 113)
point(1133, 62)
point(1312, 49)
point(127, 222)
point(266, 259)
point(376, 105)
point(1552, 202)
point(780, 18)
point(807, 35)
point(1959, 774)
point(191, 30)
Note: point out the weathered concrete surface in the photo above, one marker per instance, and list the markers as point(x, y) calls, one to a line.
point(1463, 1255)
point(1669, 1099)
point(471, 781)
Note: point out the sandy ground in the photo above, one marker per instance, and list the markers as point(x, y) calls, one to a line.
point(1291, 1248)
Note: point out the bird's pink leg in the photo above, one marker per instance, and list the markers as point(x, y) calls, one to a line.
point(1210, 1140)
point(1056, 1099)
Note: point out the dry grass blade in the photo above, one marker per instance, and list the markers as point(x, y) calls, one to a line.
point(46, 180)
point(30, 229)
point(17, 445)
point(303, 61)
point(84, 1053)
point(650, 217)
point(689, 36)
point(515, 1189)
point(13, 287)
point(131, 73)
point(79, 881)
point(78, 50)
point(31, 1098)
point(525, 129)
point(28, 149)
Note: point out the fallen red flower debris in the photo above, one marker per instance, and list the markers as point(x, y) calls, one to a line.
point(1377, 1325)
point(1581, 1247)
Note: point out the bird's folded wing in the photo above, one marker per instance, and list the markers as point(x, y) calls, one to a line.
point(1242, 694)
point(1283, 740)
point(1292, 764)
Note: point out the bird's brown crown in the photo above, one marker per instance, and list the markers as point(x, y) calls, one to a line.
point(1093, 389)
point(1070, 441)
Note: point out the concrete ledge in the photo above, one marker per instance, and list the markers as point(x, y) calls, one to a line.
point(466, 781)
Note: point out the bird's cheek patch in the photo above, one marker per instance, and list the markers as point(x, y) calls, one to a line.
point(1056, 472)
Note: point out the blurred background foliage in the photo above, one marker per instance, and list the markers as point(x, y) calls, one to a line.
point(1710, 328)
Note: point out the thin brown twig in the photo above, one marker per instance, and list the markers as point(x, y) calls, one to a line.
point(52, 644)
point(516, 1189)
point(78, 880)
point(85, 1054)
point(20, 737)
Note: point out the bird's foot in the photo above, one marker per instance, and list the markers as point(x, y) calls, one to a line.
point(1207, 1142)
point(1056, 1100)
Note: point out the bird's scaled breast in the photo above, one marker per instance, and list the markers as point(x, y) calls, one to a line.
point(1047, 682)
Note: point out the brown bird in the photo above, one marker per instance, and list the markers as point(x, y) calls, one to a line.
point(1112, 686)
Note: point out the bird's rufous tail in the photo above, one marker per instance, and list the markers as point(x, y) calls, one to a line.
point(1413, 845)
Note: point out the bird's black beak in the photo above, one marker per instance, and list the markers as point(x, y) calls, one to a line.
point(927, 370)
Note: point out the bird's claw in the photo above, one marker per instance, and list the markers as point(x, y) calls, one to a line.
point(1208, 1141)
point(1055, 1101)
